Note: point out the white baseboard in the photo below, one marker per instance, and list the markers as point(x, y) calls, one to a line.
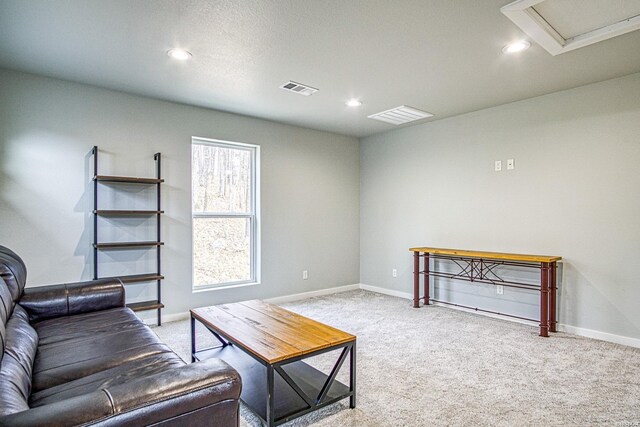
point(603, 336)
point(589, 333)
point(166, 318)
point(385, 291)
point(151, 321)
point(409, 296)
point(175, 317)
point(492, 315)
point(583, 332)
point(311, 294)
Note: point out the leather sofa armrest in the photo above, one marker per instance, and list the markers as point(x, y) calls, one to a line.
point(76, 411)
point(176, 392)
point(144, 401)
point(46, 302)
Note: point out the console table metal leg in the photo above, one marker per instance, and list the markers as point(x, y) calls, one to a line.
point(426, 278)
point(352, 378)
point(270, 400)
point(552, 298)
point(416, 279)
point(544, 300)
point(193, 339)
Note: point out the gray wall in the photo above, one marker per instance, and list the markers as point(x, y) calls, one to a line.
point(574, 193)
point(310, 186)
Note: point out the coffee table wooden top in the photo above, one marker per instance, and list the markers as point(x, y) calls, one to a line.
point(268, 331)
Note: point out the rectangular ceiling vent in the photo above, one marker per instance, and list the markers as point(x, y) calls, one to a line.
point(401, 115)
point(299, 88)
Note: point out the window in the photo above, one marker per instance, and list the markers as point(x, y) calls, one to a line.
point(225, 206)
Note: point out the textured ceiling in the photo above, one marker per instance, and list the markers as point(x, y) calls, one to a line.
point(441, 56)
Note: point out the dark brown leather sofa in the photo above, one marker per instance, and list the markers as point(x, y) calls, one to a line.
point(73, 354)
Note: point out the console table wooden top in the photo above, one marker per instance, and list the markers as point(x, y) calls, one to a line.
point(491, 255)
point(270, 332)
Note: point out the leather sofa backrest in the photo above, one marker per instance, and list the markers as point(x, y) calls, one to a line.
point(18, 339)
point(6, 302)
point(16, 367)
point(13, 271)
point(6, 308)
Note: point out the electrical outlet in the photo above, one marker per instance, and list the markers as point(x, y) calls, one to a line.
point(498, 165)
point(305, 274)
point(499, 289)
point(394, 272)
point(511, 164)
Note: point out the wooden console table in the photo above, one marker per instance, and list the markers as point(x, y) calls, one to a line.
point(478, 266)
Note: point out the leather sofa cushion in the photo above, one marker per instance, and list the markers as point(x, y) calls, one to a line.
point(120, 374)
point(66, 329)
point(17, 363)
point(13, 271)
point(75, 347)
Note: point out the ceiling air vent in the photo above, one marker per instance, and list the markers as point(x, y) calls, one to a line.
point(299, 88)
point(400, 115)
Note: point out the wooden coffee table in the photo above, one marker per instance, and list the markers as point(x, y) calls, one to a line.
point(267, 344)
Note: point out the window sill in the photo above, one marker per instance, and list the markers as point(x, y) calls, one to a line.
point(221, 287)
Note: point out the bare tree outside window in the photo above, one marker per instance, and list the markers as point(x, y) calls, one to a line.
point(224, 213)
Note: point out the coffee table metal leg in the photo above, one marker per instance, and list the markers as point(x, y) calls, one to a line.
point(352, 376)
point(270, 400)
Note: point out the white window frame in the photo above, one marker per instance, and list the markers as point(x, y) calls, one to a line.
point(253, 215)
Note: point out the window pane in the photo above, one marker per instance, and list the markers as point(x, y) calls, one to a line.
point(221, 179)
point(221, 250)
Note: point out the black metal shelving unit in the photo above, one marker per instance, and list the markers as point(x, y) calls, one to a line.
point(157, 244)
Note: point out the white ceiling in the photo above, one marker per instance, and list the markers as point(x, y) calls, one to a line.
point(441, 56)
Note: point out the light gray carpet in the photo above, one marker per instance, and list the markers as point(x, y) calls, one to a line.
point(435, 366)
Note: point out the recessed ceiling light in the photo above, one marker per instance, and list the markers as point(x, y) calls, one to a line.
point(518, 46)
point(179, 54)
point(354, 103)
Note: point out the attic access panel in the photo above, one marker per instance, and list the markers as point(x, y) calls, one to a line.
point(560, 26)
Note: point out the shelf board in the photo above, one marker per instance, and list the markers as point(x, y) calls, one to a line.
point(145, 305)
point(103, 212)
point(125, 245)
point(127, 179)
point(135, 278)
